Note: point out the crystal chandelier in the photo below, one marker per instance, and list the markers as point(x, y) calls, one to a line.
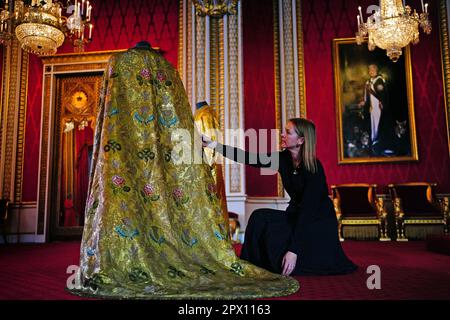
point(40, 27)
point(215, 8)
point(393, 26)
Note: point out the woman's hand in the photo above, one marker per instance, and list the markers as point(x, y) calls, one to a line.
point(207, 142)
point(289, 262)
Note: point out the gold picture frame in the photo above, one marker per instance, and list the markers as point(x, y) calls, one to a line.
point(374, 113)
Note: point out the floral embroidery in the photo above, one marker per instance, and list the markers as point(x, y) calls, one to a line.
point(126, 231)
point(185, 237)
point(112, 74)
point(139, 118)
point(118, 184)
point(149, 193)
point(160, 76)
point(219, 235)
point(179, 196)
point(155, 236)
point(167, 118)
point(211, 192)
point(145, 74)
point(113, 112)
point(118, 180)
point(90, 252)
point(93, 208)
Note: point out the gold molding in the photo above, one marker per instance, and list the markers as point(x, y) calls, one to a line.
point(74, 58)
point(3, 88)
point(21, 130)
point(190, 65)
point(234, 93)
point(44, 154)
point(427, 221)
point(360, 222)
point(74, 68)
point(276, 63)
point(221, 91)
point(9, 133)
point(4, 112)
point(217, 75)
point(445, 63)
point(301, 61)
point(180, 38)
point(75, 64)
point(410, 105)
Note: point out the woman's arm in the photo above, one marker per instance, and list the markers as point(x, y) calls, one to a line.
point(269, 160)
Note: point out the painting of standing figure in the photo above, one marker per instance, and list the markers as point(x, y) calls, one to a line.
point(375, 108)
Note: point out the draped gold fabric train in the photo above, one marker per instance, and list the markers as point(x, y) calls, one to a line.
point(206, 121)
point(154, 229)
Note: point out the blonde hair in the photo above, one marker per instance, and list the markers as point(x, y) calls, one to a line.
point(306, 129)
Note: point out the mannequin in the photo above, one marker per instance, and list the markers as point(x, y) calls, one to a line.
point(143, 45)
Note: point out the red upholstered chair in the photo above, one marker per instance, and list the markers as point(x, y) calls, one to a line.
point(418, 212)
point(360, 213)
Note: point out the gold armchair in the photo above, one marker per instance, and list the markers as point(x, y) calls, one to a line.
point(360, 214)
point(418, 212)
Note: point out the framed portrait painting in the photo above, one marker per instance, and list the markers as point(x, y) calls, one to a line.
point(374, 104)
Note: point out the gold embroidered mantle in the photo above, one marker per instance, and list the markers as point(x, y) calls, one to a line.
point(155, 229)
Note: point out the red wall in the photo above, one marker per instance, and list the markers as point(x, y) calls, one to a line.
point(32, 130)
point(259, 89)
point(325, 20)
point(322, 22)
point(117, 25)
point(157, 22)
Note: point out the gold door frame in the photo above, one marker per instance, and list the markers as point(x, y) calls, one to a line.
point(48, 194)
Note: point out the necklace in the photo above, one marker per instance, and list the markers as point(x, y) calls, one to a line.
point(296, 168)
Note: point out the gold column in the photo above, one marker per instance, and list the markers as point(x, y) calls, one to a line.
point(216, 69)
point(289, 73)
point(12, 121)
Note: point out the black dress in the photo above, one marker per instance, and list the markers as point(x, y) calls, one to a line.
point(308, 227)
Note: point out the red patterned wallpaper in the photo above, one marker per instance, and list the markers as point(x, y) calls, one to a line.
point(325, 20)
point(32, 130)
point(118, 25)
point(259, 90)
point(157, 22)
point(1, 71)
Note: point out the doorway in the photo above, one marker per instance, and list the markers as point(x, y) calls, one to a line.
point(77, 99)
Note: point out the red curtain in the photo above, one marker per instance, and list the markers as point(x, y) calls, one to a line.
point(83, 143)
